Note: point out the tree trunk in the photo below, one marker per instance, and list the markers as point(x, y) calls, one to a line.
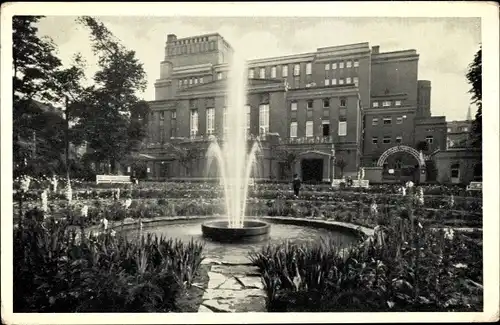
point(113, 166)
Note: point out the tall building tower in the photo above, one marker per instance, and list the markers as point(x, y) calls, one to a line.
point(424, 98)
point(469, 115)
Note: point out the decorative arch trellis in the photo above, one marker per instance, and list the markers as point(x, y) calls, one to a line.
point(395, 149)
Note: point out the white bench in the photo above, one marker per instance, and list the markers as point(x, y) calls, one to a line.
point(355, 183)
point(361, 183)
point(475, 186)
point(108, 179)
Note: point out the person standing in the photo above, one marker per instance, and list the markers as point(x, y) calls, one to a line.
point(296, 185)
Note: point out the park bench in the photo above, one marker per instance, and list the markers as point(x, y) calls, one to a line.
point(475, 186)
point(355, 183)
point(360, 183)
point(108, 179)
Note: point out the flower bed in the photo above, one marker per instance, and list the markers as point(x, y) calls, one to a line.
point(406, 267)
point(469, 204)
point(352, 212)
point(59, 270)
point(214, 186)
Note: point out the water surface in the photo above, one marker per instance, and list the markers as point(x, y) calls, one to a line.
point(279, 233)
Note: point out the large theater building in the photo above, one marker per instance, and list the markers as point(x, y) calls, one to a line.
point(322, 114)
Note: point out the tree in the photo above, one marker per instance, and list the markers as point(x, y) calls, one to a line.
point(110, 121)
point(341, 164)
point(186, 156)
point(39, 82)
point(34, 61)
point(288, 157)
point(137, 129)
point(474, 77)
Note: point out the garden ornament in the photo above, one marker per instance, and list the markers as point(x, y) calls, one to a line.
point(127, 203)
point(45, 201)
point(85, 211)
point(54, 183)
point(104, 224)
point(25, 183)
point(69, 192)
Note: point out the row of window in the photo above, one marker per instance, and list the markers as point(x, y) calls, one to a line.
point(173, 115)
point(348, 64)
point(192, 48)
point(341, 81)
point(399, 139)
point(210, 118)
point(325, 127)
point(388, 120)
point(386, 103)
point(263, 123)
point(310, 104)
point(196, 80)
point(190, 81)
point(387, 139)
point(296, 69)
point(460, 129)
point(173, 124)
point(284, 71)
point(191, 40)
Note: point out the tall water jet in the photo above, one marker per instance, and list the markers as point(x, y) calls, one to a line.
point(235, 162)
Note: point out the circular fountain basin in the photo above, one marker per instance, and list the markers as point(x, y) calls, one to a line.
point(253, 231)
point(284, 229)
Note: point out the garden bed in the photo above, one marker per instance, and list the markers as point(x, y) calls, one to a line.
point(403, 269)
point(343, 211)
point(57, 269)
point(189, 301)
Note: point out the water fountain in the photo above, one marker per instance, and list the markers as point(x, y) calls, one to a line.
point(235, 166)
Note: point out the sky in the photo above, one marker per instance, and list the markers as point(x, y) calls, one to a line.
point(446, 45)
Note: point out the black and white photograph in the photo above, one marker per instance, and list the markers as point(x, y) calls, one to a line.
point(295, 162)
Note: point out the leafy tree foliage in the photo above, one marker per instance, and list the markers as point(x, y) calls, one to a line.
point(39, 83)
point(186, 156)
point(34, 61)
point(341, 164)
point(474, 77)
point(422, 146)
point(112, 118)
point(288, 157)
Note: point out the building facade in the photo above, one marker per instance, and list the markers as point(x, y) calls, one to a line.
point(330, 111)
point(457, 133)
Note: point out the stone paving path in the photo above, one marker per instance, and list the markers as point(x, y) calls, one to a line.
point(234, 286)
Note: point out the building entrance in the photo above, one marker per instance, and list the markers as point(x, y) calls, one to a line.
point(312, 170)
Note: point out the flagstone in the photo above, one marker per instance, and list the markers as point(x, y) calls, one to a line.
point(231, 284)
point(215, 279)
point(236, 269)
point(251, 281)
point(229, 294)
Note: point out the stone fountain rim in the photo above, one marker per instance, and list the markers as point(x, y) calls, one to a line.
point(357, 230)
point(260, 224)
